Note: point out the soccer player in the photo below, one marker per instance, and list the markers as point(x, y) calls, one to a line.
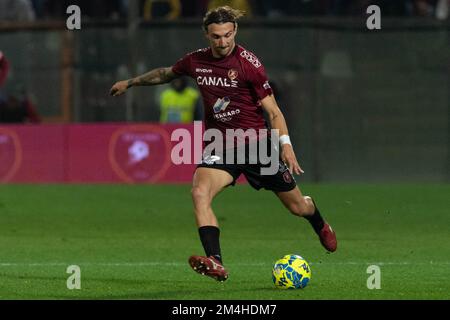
point(235, 91)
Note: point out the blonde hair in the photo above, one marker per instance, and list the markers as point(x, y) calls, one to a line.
point(222, 15)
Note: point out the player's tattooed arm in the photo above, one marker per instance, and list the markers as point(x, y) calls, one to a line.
point(151, 78)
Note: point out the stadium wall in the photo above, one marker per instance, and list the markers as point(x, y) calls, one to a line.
point(91, 153)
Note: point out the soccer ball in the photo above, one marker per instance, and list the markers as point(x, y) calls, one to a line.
point(291, 272)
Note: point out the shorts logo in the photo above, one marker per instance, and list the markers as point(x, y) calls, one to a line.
point(209, 160)
point(287, 177)
point(229, 147)
point(266, 85)
point(232, 74)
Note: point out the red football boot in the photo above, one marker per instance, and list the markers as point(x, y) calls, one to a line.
point(328, 238)
point(208, 266)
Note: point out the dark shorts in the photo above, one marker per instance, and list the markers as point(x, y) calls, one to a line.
point(281, 181)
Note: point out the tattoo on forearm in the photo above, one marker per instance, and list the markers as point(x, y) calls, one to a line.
point(130, 83)
point(163, 76)
point(153, 77)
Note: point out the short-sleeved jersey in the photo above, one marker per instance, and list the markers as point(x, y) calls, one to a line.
point(231, 87)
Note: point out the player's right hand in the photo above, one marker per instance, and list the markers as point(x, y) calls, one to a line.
point(289, 158)
point(119, 88)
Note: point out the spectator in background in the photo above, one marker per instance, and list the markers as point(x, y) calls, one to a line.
point(39, 8)
point(423, 8)
point(166, 9)
point(16, 11)
point(442, 9)
point(18, 110)
point(180, 103)
point(4, 69)
point(14, 108)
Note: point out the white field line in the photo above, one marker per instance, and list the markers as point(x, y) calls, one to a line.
point(179, 264)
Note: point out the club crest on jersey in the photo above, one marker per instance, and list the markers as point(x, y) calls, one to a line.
point(232, 74)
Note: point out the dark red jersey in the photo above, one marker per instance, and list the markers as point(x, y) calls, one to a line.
point(231, 87)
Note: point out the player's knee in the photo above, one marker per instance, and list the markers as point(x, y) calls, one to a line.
point(200, 194)
point(300, 208)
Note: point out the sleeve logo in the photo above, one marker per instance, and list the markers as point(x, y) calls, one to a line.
point(251, 58)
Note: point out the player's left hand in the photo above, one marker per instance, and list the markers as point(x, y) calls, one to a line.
point(119, 88)
point(289, 158)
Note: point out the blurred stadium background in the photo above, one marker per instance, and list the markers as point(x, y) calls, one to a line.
point(362, 106)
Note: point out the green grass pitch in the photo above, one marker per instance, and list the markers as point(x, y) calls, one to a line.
point(133, 242)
